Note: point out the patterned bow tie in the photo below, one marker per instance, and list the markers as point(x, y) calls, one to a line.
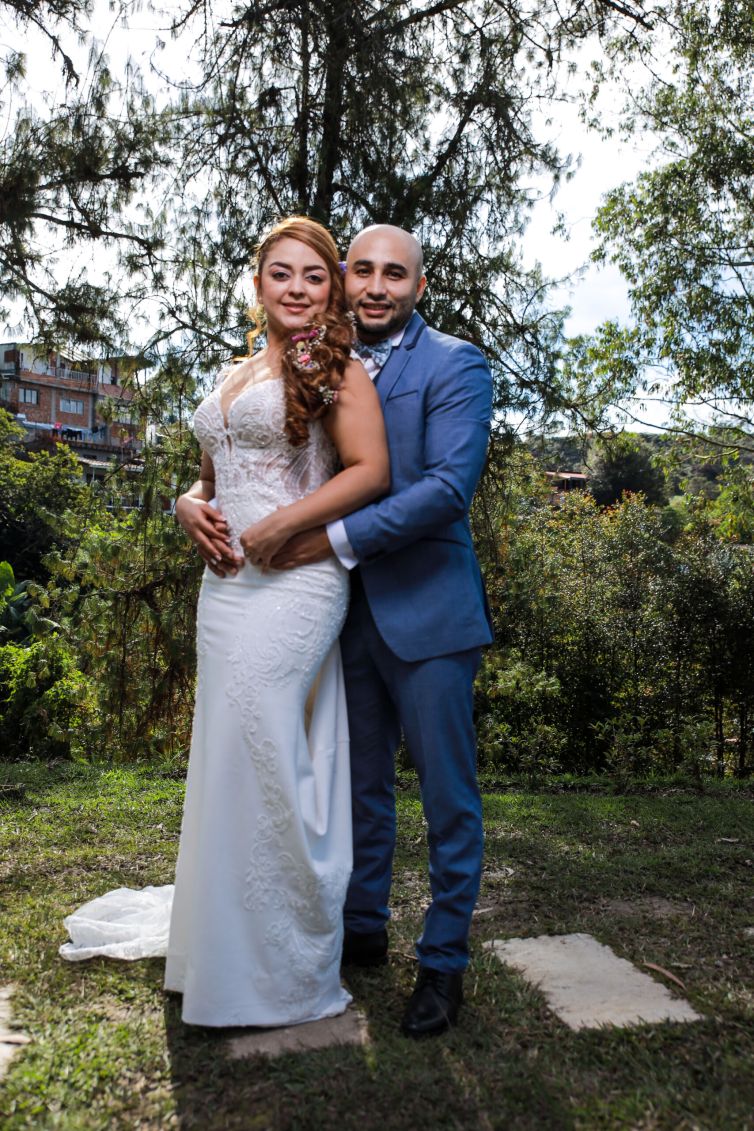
point(379, 352)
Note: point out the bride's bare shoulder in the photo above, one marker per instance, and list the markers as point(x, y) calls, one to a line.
point(226, 370)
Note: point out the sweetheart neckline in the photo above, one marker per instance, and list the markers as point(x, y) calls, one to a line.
point(225, 415)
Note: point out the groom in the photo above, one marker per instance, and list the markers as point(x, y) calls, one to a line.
point(417, 620)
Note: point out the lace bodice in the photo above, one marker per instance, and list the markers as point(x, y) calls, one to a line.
point(256, 468)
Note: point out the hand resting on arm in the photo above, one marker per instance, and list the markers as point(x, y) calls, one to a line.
point(357, 430)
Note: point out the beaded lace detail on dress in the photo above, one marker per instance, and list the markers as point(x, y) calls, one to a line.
point(253, 449)
point(293, 901)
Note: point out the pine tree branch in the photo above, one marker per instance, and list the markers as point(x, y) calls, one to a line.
point(332, 113)
point(420, 16)
point(254, 13)
point(92, 229)
point(120, 175)
point(30, 11)
point(638, 17)
point(421, 184)
point(348, 190)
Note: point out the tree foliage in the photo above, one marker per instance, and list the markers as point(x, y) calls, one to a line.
point(48, 705)
point(415, 114)
point(421, 115)
point(615, 648)
point(36, 491)
point(49, 16)
point(624, 463)
point(682, 234)
point(70, 175)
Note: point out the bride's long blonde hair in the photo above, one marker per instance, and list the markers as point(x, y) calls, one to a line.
point(310, 391)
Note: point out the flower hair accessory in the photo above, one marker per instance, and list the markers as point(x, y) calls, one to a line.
point(312, 363)
point(329, 395)
point(303, 343)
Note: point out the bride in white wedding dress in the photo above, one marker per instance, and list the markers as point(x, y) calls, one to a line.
point(255, 920)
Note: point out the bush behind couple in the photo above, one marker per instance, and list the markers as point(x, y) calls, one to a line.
point(417, 616)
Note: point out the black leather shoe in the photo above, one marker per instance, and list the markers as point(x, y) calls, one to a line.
point(364, 950)
point(434, 1004)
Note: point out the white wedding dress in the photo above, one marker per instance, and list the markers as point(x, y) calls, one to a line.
point(255, 921)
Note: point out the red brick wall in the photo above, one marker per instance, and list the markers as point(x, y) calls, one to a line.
point(51, 392)
point(52, 389)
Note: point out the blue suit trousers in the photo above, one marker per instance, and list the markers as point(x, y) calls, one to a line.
point(430, 702)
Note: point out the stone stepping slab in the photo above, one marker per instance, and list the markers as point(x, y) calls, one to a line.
point(10, 1039)
point(349, 1028)
point(587, 985)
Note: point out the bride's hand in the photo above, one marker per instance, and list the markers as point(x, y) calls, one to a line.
point(208, 530)
point(261, 541)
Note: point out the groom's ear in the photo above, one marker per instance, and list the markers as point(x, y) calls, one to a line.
point(420, 287)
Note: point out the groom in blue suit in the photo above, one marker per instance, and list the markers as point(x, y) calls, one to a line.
point(417, 621)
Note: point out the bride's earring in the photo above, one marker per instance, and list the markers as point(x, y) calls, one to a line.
point(258, 316)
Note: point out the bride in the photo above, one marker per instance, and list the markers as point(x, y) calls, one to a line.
point(255, 926)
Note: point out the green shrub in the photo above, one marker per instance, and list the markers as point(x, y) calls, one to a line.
point(46, 703)
point(517, 707)
point(617, 648)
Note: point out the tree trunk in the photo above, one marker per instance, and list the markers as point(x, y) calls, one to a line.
point(677, 752)
point(743, 739)
point(337, 33)
point(719, 734)
point(300, 169)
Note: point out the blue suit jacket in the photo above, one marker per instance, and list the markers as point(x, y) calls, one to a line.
point(420, 573)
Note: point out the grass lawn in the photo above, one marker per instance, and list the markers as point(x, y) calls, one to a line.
point(663, 876)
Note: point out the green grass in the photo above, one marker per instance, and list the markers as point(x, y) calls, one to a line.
point(647, 873)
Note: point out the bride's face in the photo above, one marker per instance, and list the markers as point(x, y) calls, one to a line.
point(293, 285)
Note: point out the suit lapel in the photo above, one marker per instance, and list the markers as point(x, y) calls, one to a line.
point(391, 372)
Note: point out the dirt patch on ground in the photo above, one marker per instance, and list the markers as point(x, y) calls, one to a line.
point(655, 906)
point(120, 1013)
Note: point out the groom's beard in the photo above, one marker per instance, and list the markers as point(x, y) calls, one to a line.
point(377, 329)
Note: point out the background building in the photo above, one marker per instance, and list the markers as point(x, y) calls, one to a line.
point(61, 396)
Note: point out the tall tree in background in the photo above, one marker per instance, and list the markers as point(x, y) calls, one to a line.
point(70, 170)
point(415, 114)
point(624, 463)
point(420, 114)
point(682, 234)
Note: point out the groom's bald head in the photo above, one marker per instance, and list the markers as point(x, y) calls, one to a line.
point(384, 279)
point(397, 238)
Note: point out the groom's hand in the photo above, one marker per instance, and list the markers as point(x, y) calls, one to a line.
point(208, 530)
point(303, 549)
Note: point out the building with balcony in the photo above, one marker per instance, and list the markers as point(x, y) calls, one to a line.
point(60, 395)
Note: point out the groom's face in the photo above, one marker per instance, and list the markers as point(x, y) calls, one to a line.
point(383, 281)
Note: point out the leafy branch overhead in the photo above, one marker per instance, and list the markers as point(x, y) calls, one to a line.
point(682, 234)
point(74, 175)
point(417, 114)
point(49, 16)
